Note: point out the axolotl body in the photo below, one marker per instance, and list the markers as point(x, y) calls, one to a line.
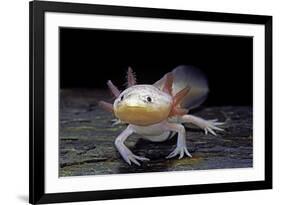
point(157, 112)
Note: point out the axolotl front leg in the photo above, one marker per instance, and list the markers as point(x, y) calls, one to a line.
point(181, 148)
point(157, 129)
point(206, 125)
point(127, 154)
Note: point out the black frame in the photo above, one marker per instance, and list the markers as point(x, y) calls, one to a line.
point(37, 193)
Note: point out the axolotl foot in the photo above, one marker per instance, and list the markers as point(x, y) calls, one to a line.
point(181, 151)
point(211, 126)
point(130, 158)
point(116, 122)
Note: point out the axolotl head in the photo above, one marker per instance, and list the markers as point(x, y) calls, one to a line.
point(142, 105)
point(145, 105)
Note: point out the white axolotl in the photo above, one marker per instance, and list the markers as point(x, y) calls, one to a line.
point(156, 112)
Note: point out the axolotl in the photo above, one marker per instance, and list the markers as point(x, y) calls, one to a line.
point(157, 112)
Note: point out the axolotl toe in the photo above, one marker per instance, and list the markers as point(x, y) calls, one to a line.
point(157, 112)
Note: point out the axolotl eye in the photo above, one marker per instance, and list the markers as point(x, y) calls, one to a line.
point(122, 97)
point(148, 99)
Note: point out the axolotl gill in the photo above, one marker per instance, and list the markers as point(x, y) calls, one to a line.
point(157, 112)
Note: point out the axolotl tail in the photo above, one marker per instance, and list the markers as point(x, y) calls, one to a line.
point(191, 77)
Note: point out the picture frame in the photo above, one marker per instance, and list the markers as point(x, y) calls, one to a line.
point(39, 75)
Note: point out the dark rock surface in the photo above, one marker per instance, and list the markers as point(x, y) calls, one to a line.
point(87, 140)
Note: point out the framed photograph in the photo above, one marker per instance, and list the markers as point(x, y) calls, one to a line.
point(140, 102)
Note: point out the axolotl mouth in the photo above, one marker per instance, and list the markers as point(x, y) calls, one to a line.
point(142, 116)
point(142, 105)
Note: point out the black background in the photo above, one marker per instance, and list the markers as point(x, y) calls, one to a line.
point(90, 57)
